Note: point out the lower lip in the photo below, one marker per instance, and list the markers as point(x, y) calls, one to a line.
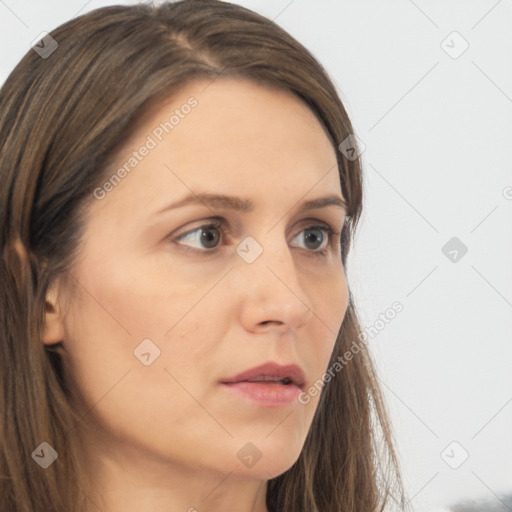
point(270, 395)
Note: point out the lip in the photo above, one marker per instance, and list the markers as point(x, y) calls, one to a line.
point(268, 393)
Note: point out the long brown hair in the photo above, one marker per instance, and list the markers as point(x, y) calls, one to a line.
point(63, 117)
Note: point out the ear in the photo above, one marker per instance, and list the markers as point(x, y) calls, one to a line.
point(53, 331)
point(53, 326)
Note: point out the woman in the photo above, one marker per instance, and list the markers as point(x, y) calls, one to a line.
point(176, 221)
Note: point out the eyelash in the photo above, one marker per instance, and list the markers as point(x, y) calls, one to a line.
point(220, 224)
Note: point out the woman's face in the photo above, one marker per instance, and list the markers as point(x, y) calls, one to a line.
point(165, 312)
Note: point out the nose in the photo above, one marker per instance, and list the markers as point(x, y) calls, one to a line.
point(273, 298)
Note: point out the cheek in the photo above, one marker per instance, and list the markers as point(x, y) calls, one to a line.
point(330, 303)
point(130, 299)
point(329, 300)
point(120, 393)
point(116, 309)
point(189, 319)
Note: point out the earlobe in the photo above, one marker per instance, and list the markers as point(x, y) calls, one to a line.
point(53, 322)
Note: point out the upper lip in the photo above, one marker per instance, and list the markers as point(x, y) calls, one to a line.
point(271, 370)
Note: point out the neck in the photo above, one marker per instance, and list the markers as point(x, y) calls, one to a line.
point(125, 478)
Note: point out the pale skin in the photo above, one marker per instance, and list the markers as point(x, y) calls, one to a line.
point(166, 435)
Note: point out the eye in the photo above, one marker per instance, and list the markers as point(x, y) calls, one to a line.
point(207, 234)
point(317, 239)
point(206, 238)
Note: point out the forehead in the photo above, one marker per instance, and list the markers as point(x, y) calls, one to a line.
point(233, 136)
point(227, 110)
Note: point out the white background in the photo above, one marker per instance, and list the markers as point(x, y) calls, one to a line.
point(438, 137)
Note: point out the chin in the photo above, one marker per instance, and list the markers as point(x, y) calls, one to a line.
point(264, 463)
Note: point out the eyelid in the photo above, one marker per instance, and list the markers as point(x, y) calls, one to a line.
point(221, 221)
point(223, 225)
point(216, 222)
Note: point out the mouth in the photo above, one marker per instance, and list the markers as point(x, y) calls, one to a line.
point(270, 385)
point(272, 373)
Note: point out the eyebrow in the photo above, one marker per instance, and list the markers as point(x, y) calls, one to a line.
point(221, 201)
